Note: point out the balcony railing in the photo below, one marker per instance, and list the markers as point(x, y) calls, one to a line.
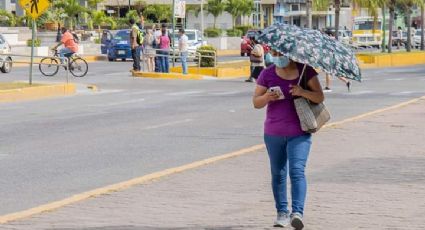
point(294, 1)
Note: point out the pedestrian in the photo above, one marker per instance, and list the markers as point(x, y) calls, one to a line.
point(183, 39)
point(328, 82)
point(399, 37)
point(157, 35)
point(134, 46)
point(257, 60)
point(149, 42)
point(164, 45)
point(287, 145)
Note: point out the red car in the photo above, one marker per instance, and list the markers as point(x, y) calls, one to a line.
point(246, 44)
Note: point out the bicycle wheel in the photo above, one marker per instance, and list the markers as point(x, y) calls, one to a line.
point(78, 67)
point(48, 66)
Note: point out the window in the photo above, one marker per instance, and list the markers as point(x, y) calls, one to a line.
point(295, 7)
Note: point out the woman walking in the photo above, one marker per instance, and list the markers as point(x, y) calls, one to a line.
point(287, 145)
point(149, 50)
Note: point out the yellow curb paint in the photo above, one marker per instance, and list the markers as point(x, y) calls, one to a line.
point(157, 175)
point(37, 92)
point(168, 75)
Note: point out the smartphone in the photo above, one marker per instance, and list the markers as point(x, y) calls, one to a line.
point(277, 90)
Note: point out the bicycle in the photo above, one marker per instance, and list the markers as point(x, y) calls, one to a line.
point(49, 66)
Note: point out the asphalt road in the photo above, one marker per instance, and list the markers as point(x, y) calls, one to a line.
point(54, 148)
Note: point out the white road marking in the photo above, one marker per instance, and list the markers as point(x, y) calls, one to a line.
point(126, 74)
point(225, 93)
point(167, 124)
point(395, 79)
point(184, 93)
point(402, 93)
point(120, 103)
point(144, 92)
point(361, 92)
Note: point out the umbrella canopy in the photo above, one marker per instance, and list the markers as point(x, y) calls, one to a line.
point(313, 48)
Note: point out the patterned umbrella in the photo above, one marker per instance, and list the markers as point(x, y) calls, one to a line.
point(313, 48)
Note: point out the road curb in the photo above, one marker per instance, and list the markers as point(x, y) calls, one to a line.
point(168, 75)
point(157, 175)
point(37, 92)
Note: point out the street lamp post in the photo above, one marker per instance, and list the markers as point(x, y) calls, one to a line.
point(202, 19)
point(129, 5)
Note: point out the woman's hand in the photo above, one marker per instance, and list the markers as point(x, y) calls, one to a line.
point(296, 90)
point(271, 96)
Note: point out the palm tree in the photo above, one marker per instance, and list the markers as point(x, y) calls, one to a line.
point(391, 6)
point(234, 8)
point(309, 4)
point(406, 6)
point(422, 27)
point(72, 9)
point(93, 3)
point(216, 8)
point(161, 12)
point(247, 7)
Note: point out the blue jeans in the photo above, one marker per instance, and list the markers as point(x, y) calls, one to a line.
point(65, 52)
point(183, 57)
point(295, 151)
point(164, 62)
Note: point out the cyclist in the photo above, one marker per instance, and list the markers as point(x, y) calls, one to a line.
point(68, 41)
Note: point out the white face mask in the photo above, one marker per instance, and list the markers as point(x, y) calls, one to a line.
point(281, 61)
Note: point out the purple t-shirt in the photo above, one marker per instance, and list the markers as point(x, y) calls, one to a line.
point(282, 118)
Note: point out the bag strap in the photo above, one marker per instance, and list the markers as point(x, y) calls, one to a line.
point(302, 74)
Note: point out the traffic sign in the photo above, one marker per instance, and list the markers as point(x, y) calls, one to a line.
point(34, 8)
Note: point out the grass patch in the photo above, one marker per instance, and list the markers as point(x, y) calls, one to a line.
point(15, 85)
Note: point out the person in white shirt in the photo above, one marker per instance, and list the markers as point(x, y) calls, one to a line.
point(183, 39)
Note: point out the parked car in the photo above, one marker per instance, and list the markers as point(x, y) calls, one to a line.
point(5, 59)
point(116, 46)
point(246, 43)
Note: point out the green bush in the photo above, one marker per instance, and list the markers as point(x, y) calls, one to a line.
point(37, 42)
point(212, 33)
point(244, 29)
point(97, 40)
point(234, 33)
point(207, 61)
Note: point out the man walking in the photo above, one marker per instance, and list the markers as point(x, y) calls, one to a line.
point(134, 46)
point(183, 50)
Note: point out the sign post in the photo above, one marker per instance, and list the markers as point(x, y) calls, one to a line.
point(33, 8)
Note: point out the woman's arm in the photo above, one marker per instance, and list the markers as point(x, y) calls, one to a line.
point(262, 97)
point(315, 94)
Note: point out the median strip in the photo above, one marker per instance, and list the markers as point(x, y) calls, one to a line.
point(18, 91)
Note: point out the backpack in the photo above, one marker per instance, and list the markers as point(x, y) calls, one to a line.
point(76, 38)
point(139, 35)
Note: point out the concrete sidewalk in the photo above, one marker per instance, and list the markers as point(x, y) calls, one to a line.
point(366, 174)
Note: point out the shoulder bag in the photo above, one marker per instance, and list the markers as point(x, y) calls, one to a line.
point(312, 116)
